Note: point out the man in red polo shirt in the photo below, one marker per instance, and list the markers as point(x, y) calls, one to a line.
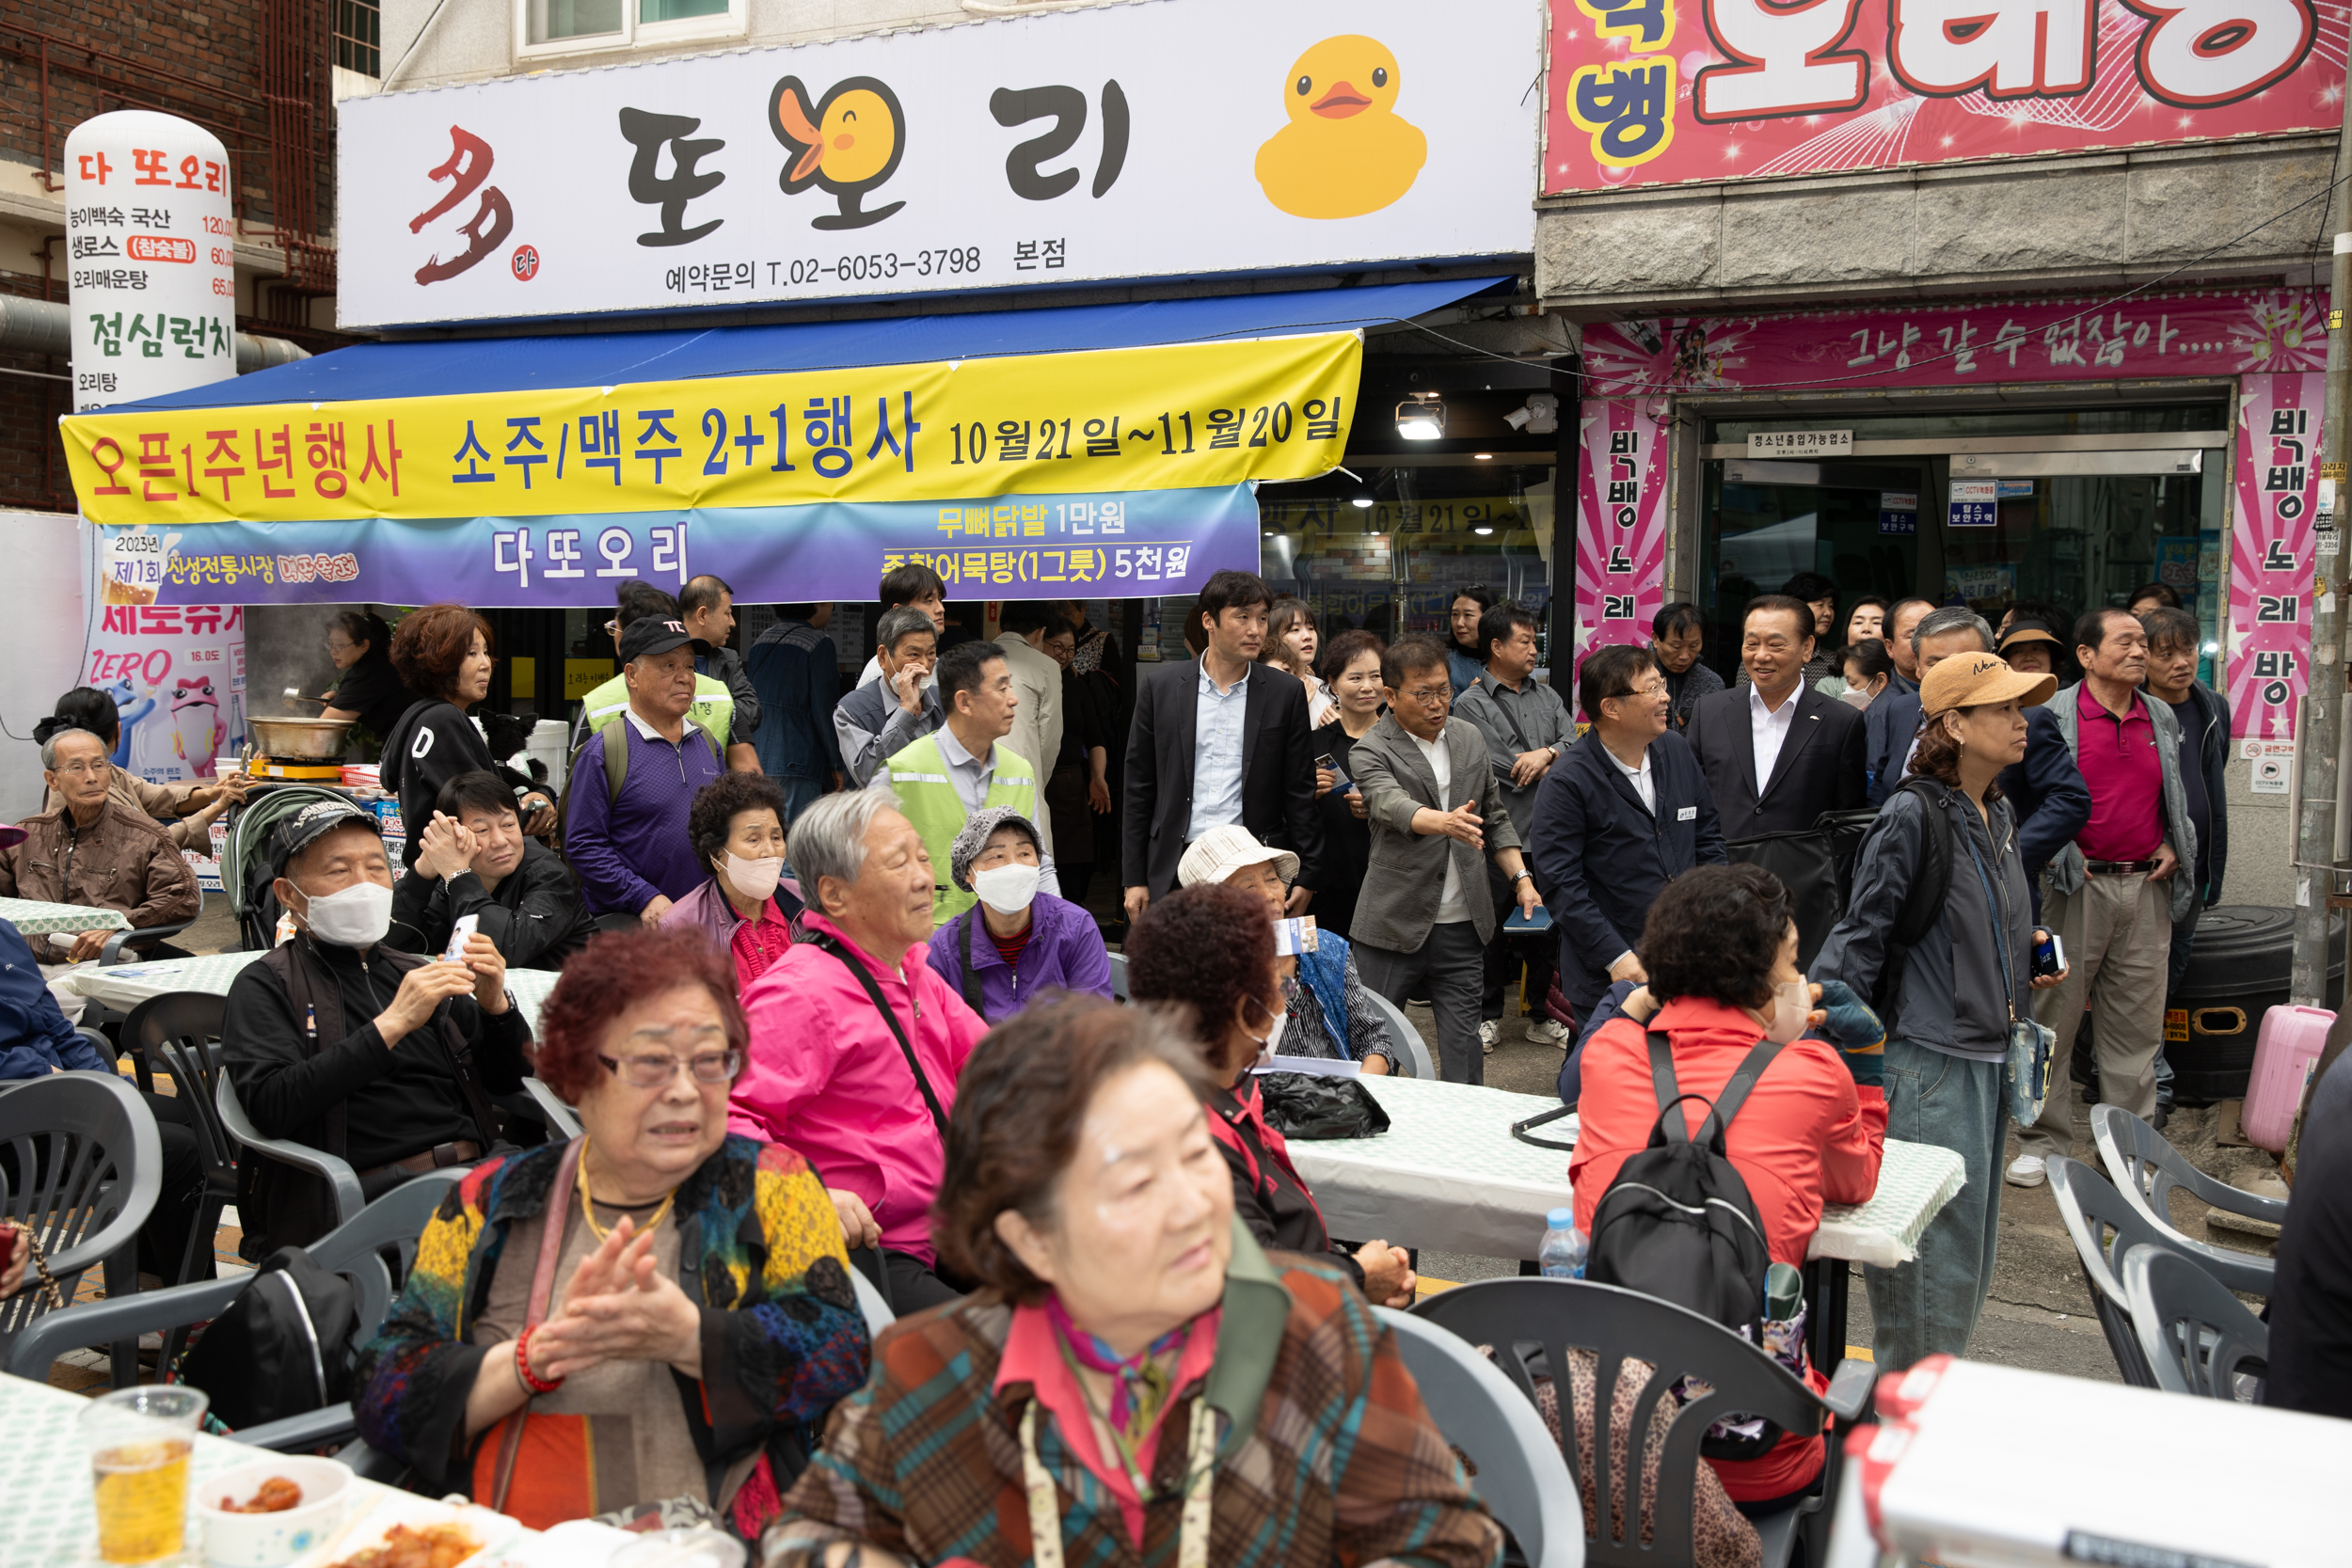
point(2111, 894)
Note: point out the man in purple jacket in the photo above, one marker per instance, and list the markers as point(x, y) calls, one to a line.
point(628, 798)
point(1016, 943)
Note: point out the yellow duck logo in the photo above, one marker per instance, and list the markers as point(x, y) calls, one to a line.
point(847, 143)
point(1344, 152)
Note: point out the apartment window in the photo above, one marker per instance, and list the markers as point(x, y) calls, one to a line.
point(360, 36)
point(554, 26)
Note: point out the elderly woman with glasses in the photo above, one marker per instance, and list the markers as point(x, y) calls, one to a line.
point(1136, 1380)
point(653, 1319)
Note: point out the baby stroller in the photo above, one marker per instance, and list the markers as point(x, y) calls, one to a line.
point(245, 874)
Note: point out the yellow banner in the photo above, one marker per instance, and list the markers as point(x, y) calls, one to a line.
point(1167, 417)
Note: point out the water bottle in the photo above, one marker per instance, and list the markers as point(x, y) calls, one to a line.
point(1561, 1255)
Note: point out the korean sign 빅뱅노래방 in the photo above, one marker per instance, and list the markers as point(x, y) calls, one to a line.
point(1666, 91)
point(2272, 566)
point(1621, 523)
point(1145, 140)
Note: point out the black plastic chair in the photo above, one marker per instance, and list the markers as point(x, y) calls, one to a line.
point(88, 1166)
point(2197, 1338)
point(1528, 1319)
point(393, 1222)
point(112, 953)
point(180, 1031)
point(2146, 1168)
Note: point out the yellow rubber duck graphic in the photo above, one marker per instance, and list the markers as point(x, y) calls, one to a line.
point(846, 143)
point(1344, 151)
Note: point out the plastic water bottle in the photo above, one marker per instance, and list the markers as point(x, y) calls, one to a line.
point(1561, 1255)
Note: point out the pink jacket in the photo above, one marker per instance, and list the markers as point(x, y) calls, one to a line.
point(826, 1077)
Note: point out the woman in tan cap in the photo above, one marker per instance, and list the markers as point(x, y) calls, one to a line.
point(1949, 968)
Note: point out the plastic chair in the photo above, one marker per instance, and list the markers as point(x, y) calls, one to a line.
point(2146, 1168)
point(1515, 1466)
point(1119, 976)
point(559, 1117)
point(180, 1030)
point(1413, 1051)
point(89, 1166)
point(356, 1249)
point(1526, 1319)
point(112, 954)
point(337, 1171)
point(2197, 1338)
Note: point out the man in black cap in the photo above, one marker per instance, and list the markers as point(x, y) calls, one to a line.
point(383, 1058)
point(628, 797)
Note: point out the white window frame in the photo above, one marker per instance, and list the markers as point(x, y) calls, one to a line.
point(733, 23)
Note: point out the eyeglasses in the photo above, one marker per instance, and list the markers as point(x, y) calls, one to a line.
point(613, 628)
point(1430, 695)
point(84, 770)
point(335, 648)
point(655, 1068)
point(1655, 689)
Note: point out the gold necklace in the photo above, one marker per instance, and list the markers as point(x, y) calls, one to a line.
point(588, 1208)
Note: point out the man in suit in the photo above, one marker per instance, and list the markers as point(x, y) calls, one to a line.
point(1776, 752)
point(1902, 618)
point(1216, 740)
point(1625, 812)
point(1424, 915)
point(1891, 726)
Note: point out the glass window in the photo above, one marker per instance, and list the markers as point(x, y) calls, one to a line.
point(360, 36)
point(555, 20)
point(678, 10)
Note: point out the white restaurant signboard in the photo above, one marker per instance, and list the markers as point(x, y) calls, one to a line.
point(1170, 138)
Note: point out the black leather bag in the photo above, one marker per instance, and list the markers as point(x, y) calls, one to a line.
point(282, 1348)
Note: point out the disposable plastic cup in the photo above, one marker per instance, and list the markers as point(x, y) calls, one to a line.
point(139, 1441)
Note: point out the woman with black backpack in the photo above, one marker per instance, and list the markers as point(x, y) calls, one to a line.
point(1938, 933)
point(1807, 1129)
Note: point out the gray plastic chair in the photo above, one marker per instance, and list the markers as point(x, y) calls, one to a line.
point(2091, 1208)
point(560, 1118)
point(180, 1032)
point(2197, 1338)
point(89, 1168)
point(1515, 1466)
point(1413, 1051)
point(1529, 1322)
point(112, 953)
point(2146, 1168)
point(356, 1249)
point(337, 1171)
point(1119, 976)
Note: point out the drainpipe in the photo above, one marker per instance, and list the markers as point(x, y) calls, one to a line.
point(44, 327)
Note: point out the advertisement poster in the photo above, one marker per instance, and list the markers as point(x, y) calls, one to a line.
point(1620, 525)
point(177, 676)
point(1648, 92)
point(1162, 139)
point(2271, 561)
point(2202, 332)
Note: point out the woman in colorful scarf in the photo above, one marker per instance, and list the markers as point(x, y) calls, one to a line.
point(673, 1340)
point(1206, 952)
point(1136, 1380)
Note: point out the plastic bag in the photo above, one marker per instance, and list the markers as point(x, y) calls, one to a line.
point(1308, 1105)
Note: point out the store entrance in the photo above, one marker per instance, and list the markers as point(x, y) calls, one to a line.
point(2054, 509)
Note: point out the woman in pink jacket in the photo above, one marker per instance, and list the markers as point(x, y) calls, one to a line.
point(856, 1045)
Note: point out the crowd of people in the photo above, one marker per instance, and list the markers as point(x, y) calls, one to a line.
point(833, 995)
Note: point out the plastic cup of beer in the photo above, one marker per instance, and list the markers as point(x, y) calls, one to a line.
point(140, 1442)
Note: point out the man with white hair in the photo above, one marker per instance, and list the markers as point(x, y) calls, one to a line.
point(856, 1044)
point(625, 834)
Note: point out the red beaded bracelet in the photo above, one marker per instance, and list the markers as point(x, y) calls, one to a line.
point(531, 1379)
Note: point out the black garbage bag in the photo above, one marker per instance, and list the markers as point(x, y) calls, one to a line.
point(1309, 1105)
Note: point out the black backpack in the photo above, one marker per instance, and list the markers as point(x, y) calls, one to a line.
point(1678, 1222)
point(282, 1348)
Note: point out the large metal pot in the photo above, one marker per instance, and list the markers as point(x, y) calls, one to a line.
point(297, 739)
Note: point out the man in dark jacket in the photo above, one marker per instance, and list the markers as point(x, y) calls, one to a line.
point(2172, 640)
point(706, 605)
point(341, 1042)
point(1891, 724)
point(1624, 813)
point(1776, 752)
point(797, 674)
point(475, 861)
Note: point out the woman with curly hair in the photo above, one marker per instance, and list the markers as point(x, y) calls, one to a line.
point(655, 1318)
point(748, 906)
point(443, 652)
point(1207, 954)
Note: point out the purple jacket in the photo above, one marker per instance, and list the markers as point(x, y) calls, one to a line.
point(707, 907)
point(1065, 953)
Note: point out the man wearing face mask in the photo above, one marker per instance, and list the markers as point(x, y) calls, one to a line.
point(1016, 942)
point(336, 1041)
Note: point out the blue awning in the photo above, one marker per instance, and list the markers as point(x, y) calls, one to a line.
point(439, 367)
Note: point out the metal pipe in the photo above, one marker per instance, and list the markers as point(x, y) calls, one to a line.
point(45, 326)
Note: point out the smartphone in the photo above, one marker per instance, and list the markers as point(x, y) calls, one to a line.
point(1294, 937)
point(1341, 783)
point(1539, 921)
point(465, 928)
point(2049, 956)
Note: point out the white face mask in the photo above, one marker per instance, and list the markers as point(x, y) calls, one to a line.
point(1791, 1004)
point(358, 916)
point(1006, 889)
point(755, 879)
point(1273, 1040)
